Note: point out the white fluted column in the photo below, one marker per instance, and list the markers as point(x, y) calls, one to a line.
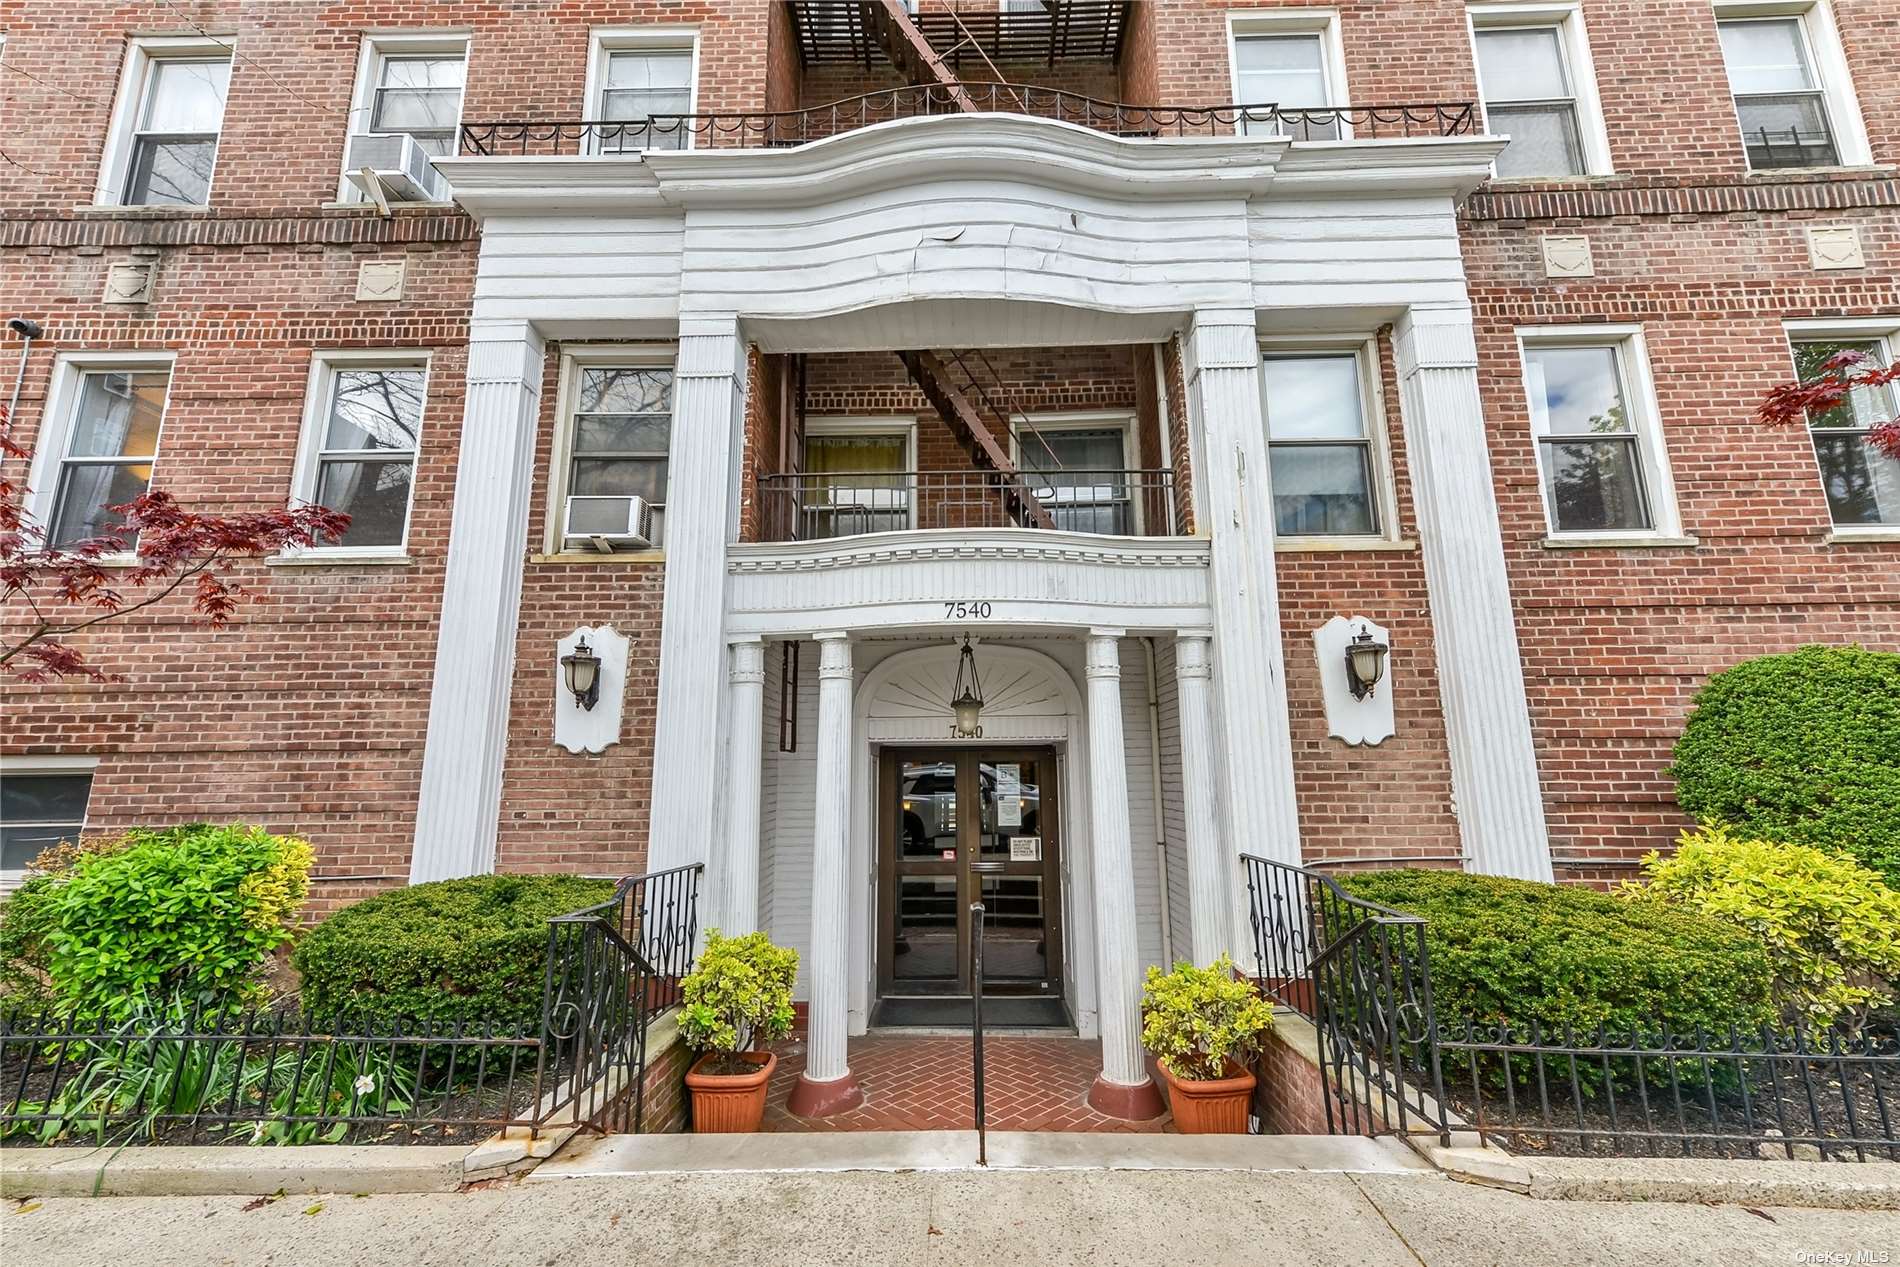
point(1480, 675)
point(701, 517)
point(459, 804)
point(826, 1085)
point(1236, 499)
point(744, 774)
point(1212, 867)
point(1123, 1089)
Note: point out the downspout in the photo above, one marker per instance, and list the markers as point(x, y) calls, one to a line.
point(1154, 776)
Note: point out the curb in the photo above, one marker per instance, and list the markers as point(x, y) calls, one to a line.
point(215, 1170)
point(1824, 1185)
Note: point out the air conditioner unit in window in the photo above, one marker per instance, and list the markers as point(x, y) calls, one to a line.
point(394, 168)
point(607, 523)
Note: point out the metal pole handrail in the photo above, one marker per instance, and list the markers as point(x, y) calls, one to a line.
point(976, 1029)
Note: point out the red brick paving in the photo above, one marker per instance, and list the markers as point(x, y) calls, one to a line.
point(923, 1084)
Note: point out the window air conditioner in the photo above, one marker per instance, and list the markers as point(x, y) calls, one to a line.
point(394, 168)
point(606, 523)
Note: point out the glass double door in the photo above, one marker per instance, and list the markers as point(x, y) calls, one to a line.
point(956, 827)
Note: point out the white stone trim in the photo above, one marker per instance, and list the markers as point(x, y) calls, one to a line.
point(735, 886)
point(828, 960)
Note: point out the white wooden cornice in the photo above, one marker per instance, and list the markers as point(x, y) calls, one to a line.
point(988, 544)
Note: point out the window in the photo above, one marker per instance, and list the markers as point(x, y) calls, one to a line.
point(170, 110)
point(362, 421)
point(1599, 449)
point(1794, 98)
point(1319, 446)
point(1862, 484)
point(42, 803)
point(622, 427)
point(100, 447)
point(406, 85)
point(1289, 59)
point(1539, 88)
point(857, 479)
point(643, 80)
point(1080, 473)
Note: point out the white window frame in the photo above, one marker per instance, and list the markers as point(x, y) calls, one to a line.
point(868, 425)
point(1121, 420)
point(1364, 348)
point(576, 357)
point(1639, 395)
point(324, 365)
point(1815, 329)
point(1823, 37)
point(134, 76)
point(377, 47)
point(1573, 41)
point(1321, 22)
point(61, 413)
point(604, 41)
point(61, 764)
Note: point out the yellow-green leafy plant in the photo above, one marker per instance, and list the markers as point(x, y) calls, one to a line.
point(1831, 929)
point(1201, 1021)
point(738, 996)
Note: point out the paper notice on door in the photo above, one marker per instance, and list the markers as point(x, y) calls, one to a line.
point(1009, 795)
point(1025, 848)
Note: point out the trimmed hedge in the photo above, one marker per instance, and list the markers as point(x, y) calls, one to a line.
point(1517, 951)
point(1802, 749)
point(473, 948)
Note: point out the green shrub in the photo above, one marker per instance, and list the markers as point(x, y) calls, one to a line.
point(473, 948)
point(1198, 1021)
point(1803, 749)
point(739, 994)
point(1830, 927)
point(25, 920)
point(1517, 952)
point(187, 912)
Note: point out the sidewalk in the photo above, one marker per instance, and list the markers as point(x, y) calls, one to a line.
point(1137, 1218)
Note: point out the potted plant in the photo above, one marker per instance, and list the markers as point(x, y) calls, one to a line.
point(736, 999)
point(1204, 1026)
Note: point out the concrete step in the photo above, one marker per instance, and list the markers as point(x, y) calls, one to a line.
point(594, 1157)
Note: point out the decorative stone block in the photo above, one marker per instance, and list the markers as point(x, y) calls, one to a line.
point(1568, 257)
point(591, 729)
point(379, 281)
point(1356, 721)
point(131, 282)
point(1835, 246)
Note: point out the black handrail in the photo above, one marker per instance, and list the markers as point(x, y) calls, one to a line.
point(976, 1030)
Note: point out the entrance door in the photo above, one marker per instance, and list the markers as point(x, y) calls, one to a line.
point(957, 826)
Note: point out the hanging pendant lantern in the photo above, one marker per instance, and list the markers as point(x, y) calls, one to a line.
point(967, 706)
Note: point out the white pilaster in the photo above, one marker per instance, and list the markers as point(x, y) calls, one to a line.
point(708, 421)
point(825, 964)
point(1480, 676)
point(459, 805)
point(1254, 739)
point(1118, 955)
point(739, 878)
point(1213, 868)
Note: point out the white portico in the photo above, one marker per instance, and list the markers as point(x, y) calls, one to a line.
point(991, 231)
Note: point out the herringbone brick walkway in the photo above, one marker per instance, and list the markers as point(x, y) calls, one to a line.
point(923, 1084)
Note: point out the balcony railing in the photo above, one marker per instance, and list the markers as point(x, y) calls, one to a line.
point(771, 129)
point(818, 506)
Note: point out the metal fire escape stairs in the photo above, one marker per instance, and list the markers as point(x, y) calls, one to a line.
point(979, 417)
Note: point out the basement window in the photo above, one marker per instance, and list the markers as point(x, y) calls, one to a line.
point(42, 804)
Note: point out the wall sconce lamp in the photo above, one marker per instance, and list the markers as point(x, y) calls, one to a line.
point(968, 703)
point(1365, 663)
point(582, 669)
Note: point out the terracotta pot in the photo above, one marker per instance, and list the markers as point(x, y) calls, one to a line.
point(1217, 1107)
point(730, 1103)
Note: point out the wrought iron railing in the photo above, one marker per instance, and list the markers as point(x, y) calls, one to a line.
point(612, 969)
point(1757, 1092)
point(816, 506)
point(179, 1074)
point(777, 128)
point(1361, 974)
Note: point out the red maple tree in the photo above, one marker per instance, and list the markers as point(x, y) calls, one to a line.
point(157, 549)
point(1841, 375)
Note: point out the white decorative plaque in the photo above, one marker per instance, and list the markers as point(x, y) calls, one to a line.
point(379, 281)
point(591, 729)
point(1568, 256)
point(1356, 721)
point(1835, 246)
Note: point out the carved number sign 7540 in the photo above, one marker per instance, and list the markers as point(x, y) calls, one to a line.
point(966, 611)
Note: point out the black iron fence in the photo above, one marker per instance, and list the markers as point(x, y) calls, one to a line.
point(1361, 974)
point(178, 1074)
point(819, 505)
point(770, 129)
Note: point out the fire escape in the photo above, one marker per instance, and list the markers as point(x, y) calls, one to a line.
point(930, 48)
